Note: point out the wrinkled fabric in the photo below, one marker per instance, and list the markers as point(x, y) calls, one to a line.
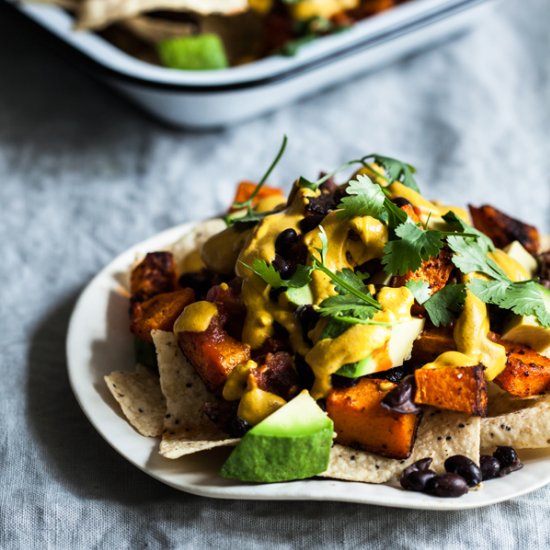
point(83, 175)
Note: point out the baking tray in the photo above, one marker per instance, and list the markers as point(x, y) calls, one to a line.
point(206, 99)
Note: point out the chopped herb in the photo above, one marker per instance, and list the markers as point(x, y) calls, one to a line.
point(250, 215)
point(413, 245)
point(271, 276)
point(420, 290)
point(364, 198)
point(395, 170)
point(444, 306)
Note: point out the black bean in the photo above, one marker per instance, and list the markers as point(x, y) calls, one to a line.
point(422, 464)
point(199, 281)
point(311, 221)
point(238, 427)
point(285, 240)
point(400, 399)
point(283, 266)
point(511, 468)
point(307, 316)
point(447, 486)
point(417, 480)
point(465, 467)
point(506, 456)
point(489, 466)
point(401, 201)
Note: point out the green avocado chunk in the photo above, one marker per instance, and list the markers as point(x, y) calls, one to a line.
point(360, 368)
point(292, 443)
point(193, 53)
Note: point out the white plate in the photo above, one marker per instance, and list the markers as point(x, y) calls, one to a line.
point(99, 342)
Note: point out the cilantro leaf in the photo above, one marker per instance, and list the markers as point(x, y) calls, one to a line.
point(364, 198)
point(333, 328)
point(350, 278)
point(397, 171)
point(523, 298)
point(271, 276)
point(462, 227)
point(420, 290)
point(470, 255)
point(446, 304)
point(346, 305)
point(413, 245)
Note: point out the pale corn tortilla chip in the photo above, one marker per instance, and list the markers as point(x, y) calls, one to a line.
point(190, 243)
point(139, 396)
point(187, 429)
point(441, 434)
point(155, 30)
point(97, 14)
point(526, 428)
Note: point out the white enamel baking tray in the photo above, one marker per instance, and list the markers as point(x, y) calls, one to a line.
point(208, 99)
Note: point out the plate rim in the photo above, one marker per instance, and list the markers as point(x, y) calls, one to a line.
point(422, 502)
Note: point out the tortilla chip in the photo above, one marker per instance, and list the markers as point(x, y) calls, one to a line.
point(153, 30)
point(139, 396)
point(187, 429)
point(186, 250)
point(97, 14)
point(526, 428)
point(441, 434)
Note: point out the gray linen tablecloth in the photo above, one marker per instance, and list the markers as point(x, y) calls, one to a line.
point(83, 176)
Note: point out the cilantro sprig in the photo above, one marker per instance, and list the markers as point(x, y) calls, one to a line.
point(249, 214)
point(301, 277)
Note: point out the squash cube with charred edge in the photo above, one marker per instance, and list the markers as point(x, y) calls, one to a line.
point(158, 313)
point(527, 373)
point(432, 343)
point(503, 229)
point(435, 271)
point(155, 274)
point(461, 389)
point(213, 353)
point(360, 421)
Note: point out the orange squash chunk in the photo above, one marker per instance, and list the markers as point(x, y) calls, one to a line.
point(246, 188)
point(361, 422)
point(213, 353)
point(527, 372)
point(432, 343)
point(461, 389)
point(159, 312)
point(155, 274)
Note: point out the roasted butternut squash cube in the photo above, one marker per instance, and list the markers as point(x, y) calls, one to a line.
point(461, 389)
point(155, 274)
point(504, 229)
point(527, 372)
point(158, 313)
point(432, 343)
point(435, 271)
point(213, 353)
point(246, 188)
point(360, 420)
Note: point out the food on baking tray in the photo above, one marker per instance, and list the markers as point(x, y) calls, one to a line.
point(214, 34)
point(360, 308)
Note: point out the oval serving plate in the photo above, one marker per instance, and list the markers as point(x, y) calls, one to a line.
point(99, 342)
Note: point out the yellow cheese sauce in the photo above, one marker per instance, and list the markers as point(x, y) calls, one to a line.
point(450, 359)
point(513, 269)
point(220, 252)
point(471, 335)
point(196, 317)
point(329, 355)
point(307, 9)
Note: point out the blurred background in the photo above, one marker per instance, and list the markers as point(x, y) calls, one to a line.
point(84, 174)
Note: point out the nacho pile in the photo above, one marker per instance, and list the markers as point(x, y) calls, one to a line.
point(402, 318)
point(215, 34)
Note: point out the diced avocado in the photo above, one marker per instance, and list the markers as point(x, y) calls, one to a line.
point(360, 368)
point(193, 53)
point(526, 330)
point(299, 296)
point(517, 252)
point(402, 339)
point(400, 346)
point(292, 443)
